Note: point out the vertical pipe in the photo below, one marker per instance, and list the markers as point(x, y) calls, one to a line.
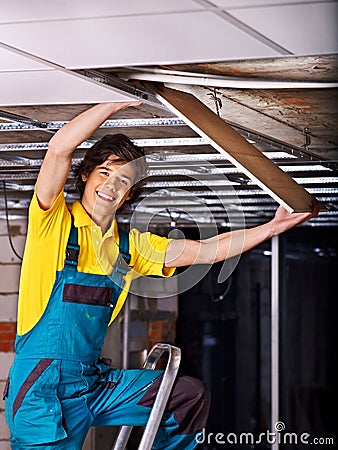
point(125, 349)
point(258, 357)
point(274, 337)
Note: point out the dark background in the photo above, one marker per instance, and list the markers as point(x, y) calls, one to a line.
point(226, 342)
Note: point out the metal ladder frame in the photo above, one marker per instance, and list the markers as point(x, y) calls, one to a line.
point(169, 376)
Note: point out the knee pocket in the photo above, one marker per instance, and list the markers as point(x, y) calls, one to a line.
point(190, 402)
point(33, 409)
point(191, 388)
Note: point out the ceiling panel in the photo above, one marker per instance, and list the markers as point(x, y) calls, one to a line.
point(36, 10)
point(51, 87)
point(11, 61)
point(109, 42)
point(259, 3)
point(303, 29)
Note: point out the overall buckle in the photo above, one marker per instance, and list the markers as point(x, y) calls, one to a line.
point(72, 253)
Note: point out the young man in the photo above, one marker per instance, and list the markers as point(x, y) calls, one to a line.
point(74, 282)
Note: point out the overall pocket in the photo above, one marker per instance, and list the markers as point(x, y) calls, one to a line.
point(36, 414)
point(88, 295)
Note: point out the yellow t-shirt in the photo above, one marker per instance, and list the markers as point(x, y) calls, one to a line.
point(47, 238)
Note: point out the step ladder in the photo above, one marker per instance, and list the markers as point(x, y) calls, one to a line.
point(169, 376)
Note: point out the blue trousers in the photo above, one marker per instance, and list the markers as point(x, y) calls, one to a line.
point(96, 395)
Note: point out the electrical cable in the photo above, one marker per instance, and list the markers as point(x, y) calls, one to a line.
point(174, 221)
point(217, 100)
point(22, 119)
point(8, 227)
point(221, 296)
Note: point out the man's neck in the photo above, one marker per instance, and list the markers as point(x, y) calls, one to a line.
point(104, 221)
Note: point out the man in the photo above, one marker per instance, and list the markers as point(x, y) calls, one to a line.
point(74, 281)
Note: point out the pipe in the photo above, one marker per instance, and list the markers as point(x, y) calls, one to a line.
point(275, 338)
point(126, 323)
point(224, 82)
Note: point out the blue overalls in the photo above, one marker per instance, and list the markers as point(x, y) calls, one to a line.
point(58, 387)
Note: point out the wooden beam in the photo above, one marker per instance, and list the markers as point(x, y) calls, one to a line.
point(264, 172)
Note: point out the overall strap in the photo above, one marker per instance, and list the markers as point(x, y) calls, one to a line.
point(121, 266)
point(72, 249)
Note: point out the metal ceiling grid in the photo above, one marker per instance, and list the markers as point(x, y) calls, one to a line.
point(177, 179)
point(43, 31)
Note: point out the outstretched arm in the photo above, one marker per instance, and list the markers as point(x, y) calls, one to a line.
point(57, 162)
point(184, 252)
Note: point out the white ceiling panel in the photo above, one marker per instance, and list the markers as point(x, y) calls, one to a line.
point(108, 42)
point(51, 87)
point(36, 10)
point(309, 29)
point(259, 3)
point(11, 61)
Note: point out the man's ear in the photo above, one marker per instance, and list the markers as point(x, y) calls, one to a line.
point(84, 177)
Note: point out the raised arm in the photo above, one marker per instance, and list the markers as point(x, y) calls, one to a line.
point(57, 162)
point(183, 252)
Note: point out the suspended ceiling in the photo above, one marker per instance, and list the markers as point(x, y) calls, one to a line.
point(268, 68)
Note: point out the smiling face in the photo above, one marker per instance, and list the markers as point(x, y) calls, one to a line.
point(107, 187)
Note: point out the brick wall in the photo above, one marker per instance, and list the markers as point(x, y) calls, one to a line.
point(9, 284)
point(7, 336)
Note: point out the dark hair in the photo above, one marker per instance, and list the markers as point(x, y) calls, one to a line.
point(126, 151)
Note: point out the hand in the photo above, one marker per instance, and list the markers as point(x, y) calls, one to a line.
point(134, 103)
point(124, 105)
point(284, 220)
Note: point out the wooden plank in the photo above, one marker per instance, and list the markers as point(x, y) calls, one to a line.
point(264, 172)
